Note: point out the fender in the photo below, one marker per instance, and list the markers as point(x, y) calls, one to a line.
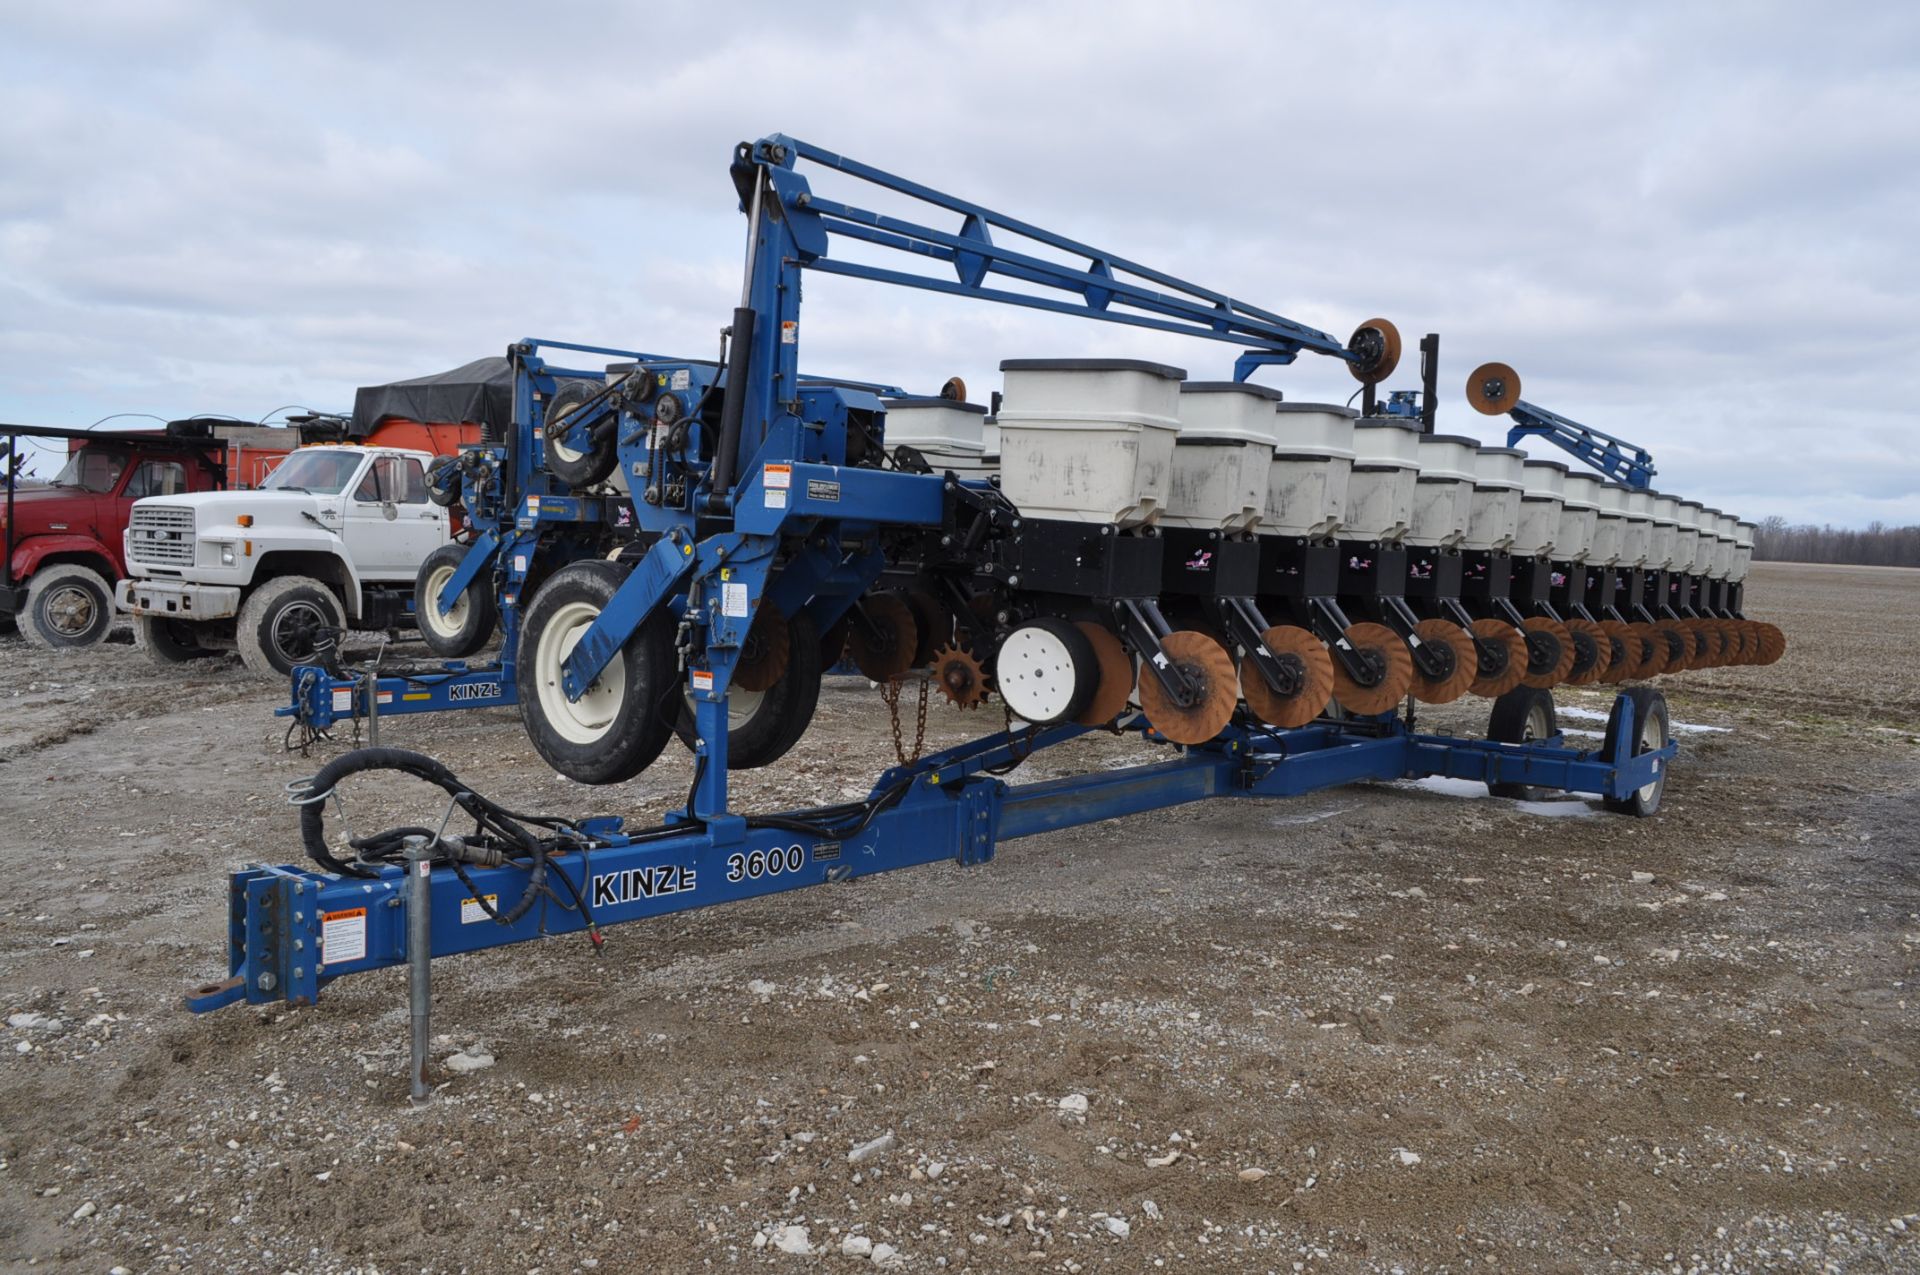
point(28, 554)
point(311, 540)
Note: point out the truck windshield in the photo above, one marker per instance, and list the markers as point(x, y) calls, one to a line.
point(324, 473)
point(92, 469)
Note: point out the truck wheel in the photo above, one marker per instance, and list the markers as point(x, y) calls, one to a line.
point(617, 729)
point(68, 605)
point(467, 627)
point(575, 469)
point(279, 621)
point(167, 642)
point(763, 725)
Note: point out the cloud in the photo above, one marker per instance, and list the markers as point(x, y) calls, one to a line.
point(1686, 230)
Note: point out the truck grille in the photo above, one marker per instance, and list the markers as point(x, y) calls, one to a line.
point(161, 534)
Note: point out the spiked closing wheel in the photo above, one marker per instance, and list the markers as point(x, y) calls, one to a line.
point(1461, 655)
point(959, 677)
point(1707, 644)
point(1385, 653)
point(1655, 655)
point(763, 656)
point(1375, 347)
point(1626, 652)
point(1493, 389)
point(1680, 645)
point(1306, 658)
point(1502, 657)
point(1549, 652)
point(1216, 691)
point(882, 638)
point(932, 625)
point(1749, 641)
point(1116, 675)
point(1773, 643)
point(1594, 667)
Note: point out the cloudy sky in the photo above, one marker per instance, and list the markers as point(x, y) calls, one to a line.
point(1691, 225)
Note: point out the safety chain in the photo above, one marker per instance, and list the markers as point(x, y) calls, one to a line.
point(890, 692)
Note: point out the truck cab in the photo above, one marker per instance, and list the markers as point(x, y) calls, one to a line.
point(332, 539)
point(64, 537)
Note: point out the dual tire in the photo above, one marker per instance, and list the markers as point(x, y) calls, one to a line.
point(67, 606)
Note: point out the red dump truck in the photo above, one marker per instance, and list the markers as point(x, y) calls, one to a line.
point(63, 536)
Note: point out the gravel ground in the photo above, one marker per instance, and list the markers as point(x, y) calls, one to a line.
point(1394, 1027)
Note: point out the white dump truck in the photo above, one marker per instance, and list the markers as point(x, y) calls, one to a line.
point(332, 539)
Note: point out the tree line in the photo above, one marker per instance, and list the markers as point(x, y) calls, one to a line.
point(1877, 545)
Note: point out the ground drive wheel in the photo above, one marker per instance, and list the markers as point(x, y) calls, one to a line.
point(280, 621)
point(618, 727)
point(68, 605)
point(763, 725)
point(167, 642)
point(577, 469)
point(1521, 716)
point(1047, 671)
point(1651, 730)
point(465, 628)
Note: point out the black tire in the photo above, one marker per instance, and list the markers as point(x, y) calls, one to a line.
point(1652, 729)
point(443, 482)
point(279, 621)
point(1521, 716)
point(168, 642)
point(575, 469)
point(613, 737)
point(68, 606)
point(470, 625)
point(770, 722)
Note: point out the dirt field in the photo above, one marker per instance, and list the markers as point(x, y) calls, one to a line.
point(1383, 1028)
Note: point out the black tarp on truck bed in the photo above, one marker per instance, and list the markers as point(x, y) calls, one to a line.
point(480, 393)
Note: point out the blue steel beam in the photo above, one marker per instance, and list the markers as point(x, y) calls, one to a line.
point(293, 930)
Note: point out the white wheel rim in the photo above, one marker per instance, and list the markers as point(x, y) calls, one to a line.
point(455, 619)
point(586, 720)
point(741, 707)
point(1035, 674)
point(1650, 741)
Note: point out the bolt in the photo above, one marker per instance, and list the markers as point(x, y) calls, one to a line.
point(268, 982)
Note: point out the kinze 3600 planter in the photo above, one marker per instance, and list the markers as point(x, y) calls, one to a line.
point(684, 544)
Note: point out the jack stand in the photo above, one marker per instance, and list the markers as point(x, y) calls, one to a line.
point(419, 960)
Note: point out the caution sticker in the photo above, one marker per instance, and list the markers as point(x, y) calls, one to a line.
point(789, 331)
point(343, 936)
point(774, 477)
point(472, 913)
point(776, 499)
point(343, 701)
point(734, 601)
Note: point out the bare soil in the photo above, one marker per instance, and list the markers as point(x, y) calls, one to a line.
point(1451, 1032)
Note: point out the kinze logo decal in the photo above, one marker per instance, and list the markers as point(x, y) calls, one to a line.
point(642, 883)
point(473, 690)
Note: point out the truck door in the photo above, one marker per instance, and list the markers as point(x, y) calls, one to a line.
point(391, 526)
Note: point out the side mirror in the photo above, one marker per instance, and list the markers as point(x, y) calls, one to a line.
point(389, 510)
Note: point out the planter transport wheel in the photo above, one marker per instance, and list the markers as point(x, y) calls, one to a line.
point(1463, 655)
point(1521, 716)
point(1312, 667)
point(1502, 661)
point(1386, 653)
point(1207, 664)
point(1651, 730)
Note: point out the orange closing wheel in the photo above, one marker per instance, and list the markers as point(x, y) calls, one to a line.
point(1545, 672)
point(1385, 653)
point(763, 656)
point(1596, 668)
point(1216, 689)
point(1503, 657)
point(882, 638)
point(1305, 658)
point(1627, 652)
point(1654, 656)
point(1463, 662)
point(1116, 675)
